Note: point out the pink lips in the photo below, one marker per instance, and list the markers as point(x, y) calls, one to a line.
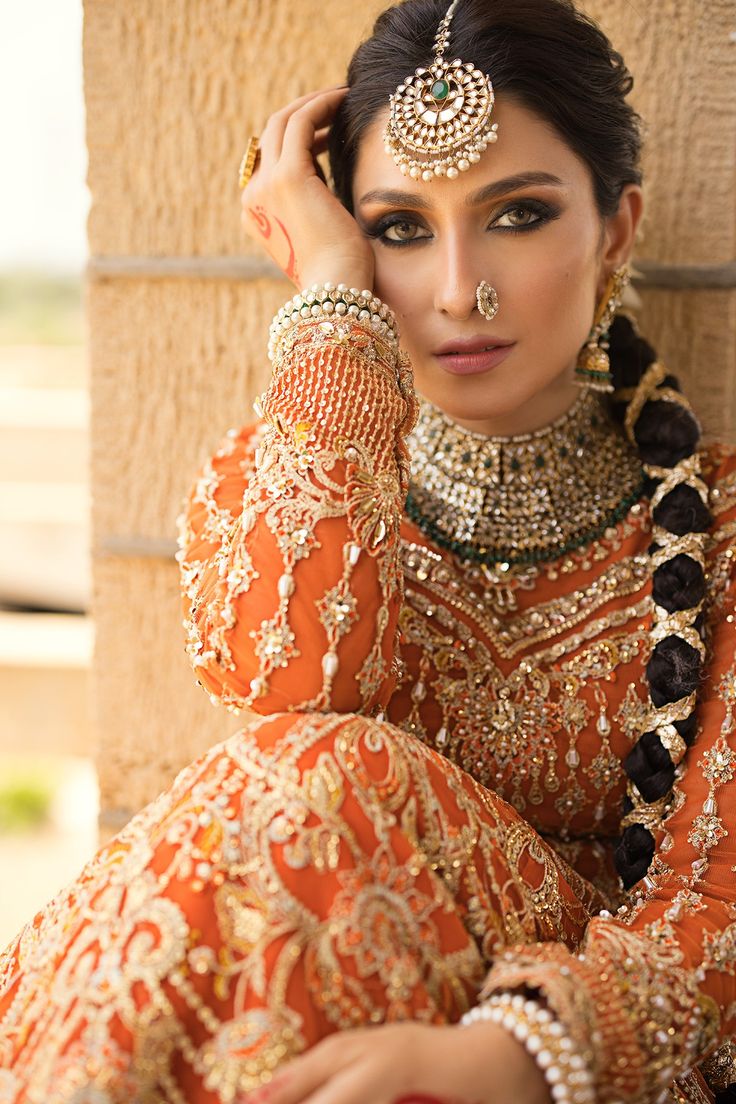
point(470, 355)
point(470, 363)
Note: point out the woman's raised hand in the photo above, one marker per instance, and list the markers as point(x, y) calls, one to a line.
point(288, 208)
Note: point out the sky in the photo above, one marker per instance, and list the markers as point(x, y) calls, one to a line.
point(44, 199)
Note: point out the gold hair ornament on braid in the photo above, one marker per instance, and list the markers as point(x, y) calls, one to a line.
point(672, 742)
point(689, 544)
point(680, 623)
point(686, 471)
point(648, 814)
point(649, 388)
point(440, 115)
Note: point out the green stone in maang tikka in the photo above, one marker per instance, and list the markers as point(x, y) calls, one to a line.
point(440, 90)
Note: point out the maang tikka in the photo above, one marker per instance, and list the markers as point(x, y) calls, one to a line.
point(440, 115)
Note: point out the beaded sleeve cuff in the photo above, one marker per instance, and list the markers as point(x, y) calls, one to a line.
point(328, 302)
point(544, 1037)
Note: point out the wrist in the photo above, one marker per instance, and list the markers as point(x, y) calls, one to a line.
point(355, 273)
point(568, 1079)
point(497, 1048)
point(352, 278)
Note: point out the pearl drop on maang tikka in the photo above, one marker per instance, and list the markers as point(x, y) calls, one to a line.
point(442, 113)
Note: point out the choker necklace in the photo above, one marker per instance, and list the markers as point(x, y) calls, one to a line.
point(524, 499)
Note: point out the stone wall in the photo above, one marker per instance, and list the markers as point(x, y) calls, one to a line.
point(179, 303)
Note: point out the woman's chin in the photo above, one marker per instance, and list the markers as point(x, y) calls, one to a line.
point(478, 401)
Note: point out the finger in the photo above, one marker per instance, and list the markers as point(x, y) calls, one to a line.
point(319, 146)
point(306, 1074)
point(272, 137)
point(356, 1084)
point(302, 127)
point(321, 138)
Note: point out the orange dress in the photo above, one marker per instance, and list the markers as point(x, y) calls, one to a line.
point(427, 805)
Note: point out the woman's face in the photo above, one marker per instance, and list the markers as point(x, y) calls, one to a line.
point(540, 243)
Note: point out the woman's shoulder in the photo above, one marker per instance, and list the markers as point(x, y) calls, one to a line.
point(233, 460)
point(240, 441)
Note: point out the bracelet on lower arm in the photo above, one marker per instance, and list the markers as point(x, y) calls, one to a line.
point(544, 1038)
point(329, 301)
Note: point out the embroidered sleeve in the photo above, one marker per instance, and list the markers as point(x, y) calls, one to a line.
point(289, 549)
point(652, 990)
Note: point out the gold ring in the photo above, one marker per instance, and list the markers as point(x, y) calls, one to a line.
point(249, 162)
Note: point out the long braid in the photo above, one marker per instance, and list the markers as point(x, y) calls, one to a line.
point(660, 422)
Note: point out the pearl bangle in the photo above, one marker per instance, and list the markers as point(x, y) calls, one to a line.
point(544, 1038)
point(328, 301)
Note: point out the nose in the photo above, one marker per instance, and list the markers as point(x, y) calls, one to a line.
point(459, 272)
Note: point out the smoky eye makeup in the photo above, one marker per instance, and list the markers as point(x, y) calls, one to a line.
point(535, 213)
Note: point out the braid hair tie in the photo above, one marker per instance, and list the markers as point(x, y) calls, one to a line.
point(670, 627)
point(685, 471)
point(643, 392)
point(649, 814)
point(672, 742)
point(666, 714)
point(668, 394)
point(691, 544)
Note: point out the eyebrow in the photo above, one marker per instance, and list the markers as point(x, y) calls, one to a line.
point(398, 198)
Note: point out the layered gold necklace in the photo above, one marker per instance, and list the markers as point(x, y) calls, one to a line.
point(523, 499)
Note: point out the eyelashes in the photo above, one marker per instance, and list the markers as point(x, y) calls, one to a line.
point(543, 212)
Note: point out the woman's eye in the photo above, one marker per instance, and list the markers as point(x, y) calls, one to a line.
point(520, 217)
point(402, 231)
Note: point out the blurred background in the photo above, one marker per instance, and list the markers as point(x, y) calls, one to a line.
point(48, 789)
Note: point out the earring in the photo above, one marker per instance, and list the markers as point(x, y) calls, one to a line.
point(593, 368)
point(487, 299)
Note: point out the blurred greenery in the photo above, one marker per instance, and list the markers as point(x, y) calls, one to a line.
point(40, 308)
point(24, 804)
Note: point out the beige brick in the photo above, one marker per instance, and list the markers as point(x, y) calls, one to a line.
point(176, 364)
point(173, 92)
point(150, 715)
point(694, 333)
point(683, 60)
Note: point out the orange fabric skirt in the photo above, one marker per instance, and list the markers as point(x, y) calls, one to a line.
point(314, 873)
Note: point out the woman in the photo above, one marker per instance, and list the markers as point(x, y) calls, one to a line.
point(473, 626)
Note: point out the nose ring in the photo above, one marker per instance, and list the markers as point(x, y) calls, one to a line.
point(487, 299)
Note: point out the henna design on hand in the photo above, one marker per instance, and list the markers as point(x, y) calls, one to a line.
point(260, 218)
point(292, 269)
point(262, 221)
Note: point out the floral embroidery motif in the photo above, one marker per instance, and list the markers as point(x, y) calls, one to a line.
point(706, 831)
point(372, 506)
